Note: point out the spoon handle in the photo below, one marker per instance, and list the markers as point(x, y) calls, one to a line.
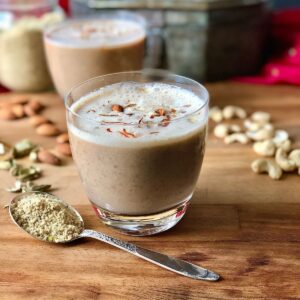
point(170, 263)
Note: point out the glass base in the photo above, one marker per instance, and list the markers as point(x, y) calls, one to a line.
point(143, 225)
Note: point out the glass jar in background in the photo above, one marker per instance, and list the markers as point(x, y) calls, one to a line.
point(23, 64)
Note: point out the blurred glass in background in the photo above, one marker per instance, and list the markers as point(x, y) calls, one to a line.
point(205, 40)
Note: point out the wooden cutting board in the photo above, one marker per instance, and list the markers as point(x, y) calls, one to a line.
point(244, 226)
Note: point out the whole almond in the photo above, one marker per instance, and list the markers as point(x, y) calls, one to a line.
point(18, 110)
point(63, 138)
point(47, 130)
point(47, 157)
point(29, 111)
point(7, 114)
point(35, 105)
point(38, 120)
point(64, 149)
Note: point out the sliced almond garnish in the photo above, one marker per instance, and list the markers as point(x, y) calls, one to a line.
point(130, 105)
point(107, 115)
point(160, 112)
point(127, 134)
point(86, 32)
point(165, 122)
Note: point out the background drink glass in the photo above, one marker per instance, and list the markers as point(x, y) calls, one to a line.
point(139, 186)
point(79, 49)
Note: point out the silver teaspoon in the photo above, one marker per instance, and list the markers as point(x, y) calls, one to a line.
point(170, 263)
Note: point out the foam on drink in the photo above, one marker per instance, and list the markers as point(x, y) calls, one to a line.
point(151, 112)
point(97, 32)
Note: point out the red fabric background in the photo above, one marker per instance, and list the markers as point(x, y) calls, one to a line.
point(283, 65)
point(65, 5)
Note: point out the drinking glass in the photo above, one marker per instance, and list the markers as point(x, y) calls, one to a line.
point(139, 186)
point(72, 60)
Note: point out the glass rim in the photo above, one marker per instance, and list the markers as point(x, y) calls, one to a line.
point(155, 72)
point(136, 17)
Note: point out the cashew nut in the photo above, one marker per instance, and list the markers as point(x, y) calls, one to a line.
point(215, 113)
point(222, 130)
point(264, 133)
point(265, 148)
point(280, 136)
point(295, 156)
point(261, 117)
point(230, 112)
point(236, 137)
point(285, 163)
point(267, 166)
point(252, 126)
point(281, 140)
point(286, 145)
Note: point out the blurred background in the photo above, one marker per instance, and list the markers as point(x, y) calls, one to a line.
point(285, 3)
point(255, 41)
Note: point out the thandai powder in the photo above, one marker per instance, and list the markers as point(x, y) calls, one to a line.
point(46, 218)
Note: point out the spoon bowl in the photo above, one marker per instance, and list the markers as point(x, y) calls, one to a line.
point(170, 263)
point(54, 198)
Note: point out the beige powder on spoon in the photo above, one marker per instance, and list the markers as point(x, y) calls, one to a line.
point(46, 218)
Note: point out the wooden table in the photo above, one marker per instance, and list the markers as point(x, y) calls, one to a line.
point(244, 226)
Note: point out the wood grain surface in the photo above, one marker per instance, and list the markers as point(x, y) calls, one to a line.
point(244, 226)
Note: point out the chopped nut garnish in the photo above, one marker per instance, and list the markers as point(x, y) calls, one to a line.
point(108, 130)
point(127, 134)
point(130, 105)
point(107, 115)
point(86, 32)
point(117, 107)
point(165, 122)
point(160, 112)
point(90, 29)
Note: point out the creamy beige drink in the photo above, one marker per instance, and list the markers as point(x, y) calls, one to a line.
point(81, 49)
point(138, 146)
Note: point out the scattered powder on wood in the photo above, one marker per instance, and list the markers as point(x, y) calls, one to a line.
point(46, 218)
